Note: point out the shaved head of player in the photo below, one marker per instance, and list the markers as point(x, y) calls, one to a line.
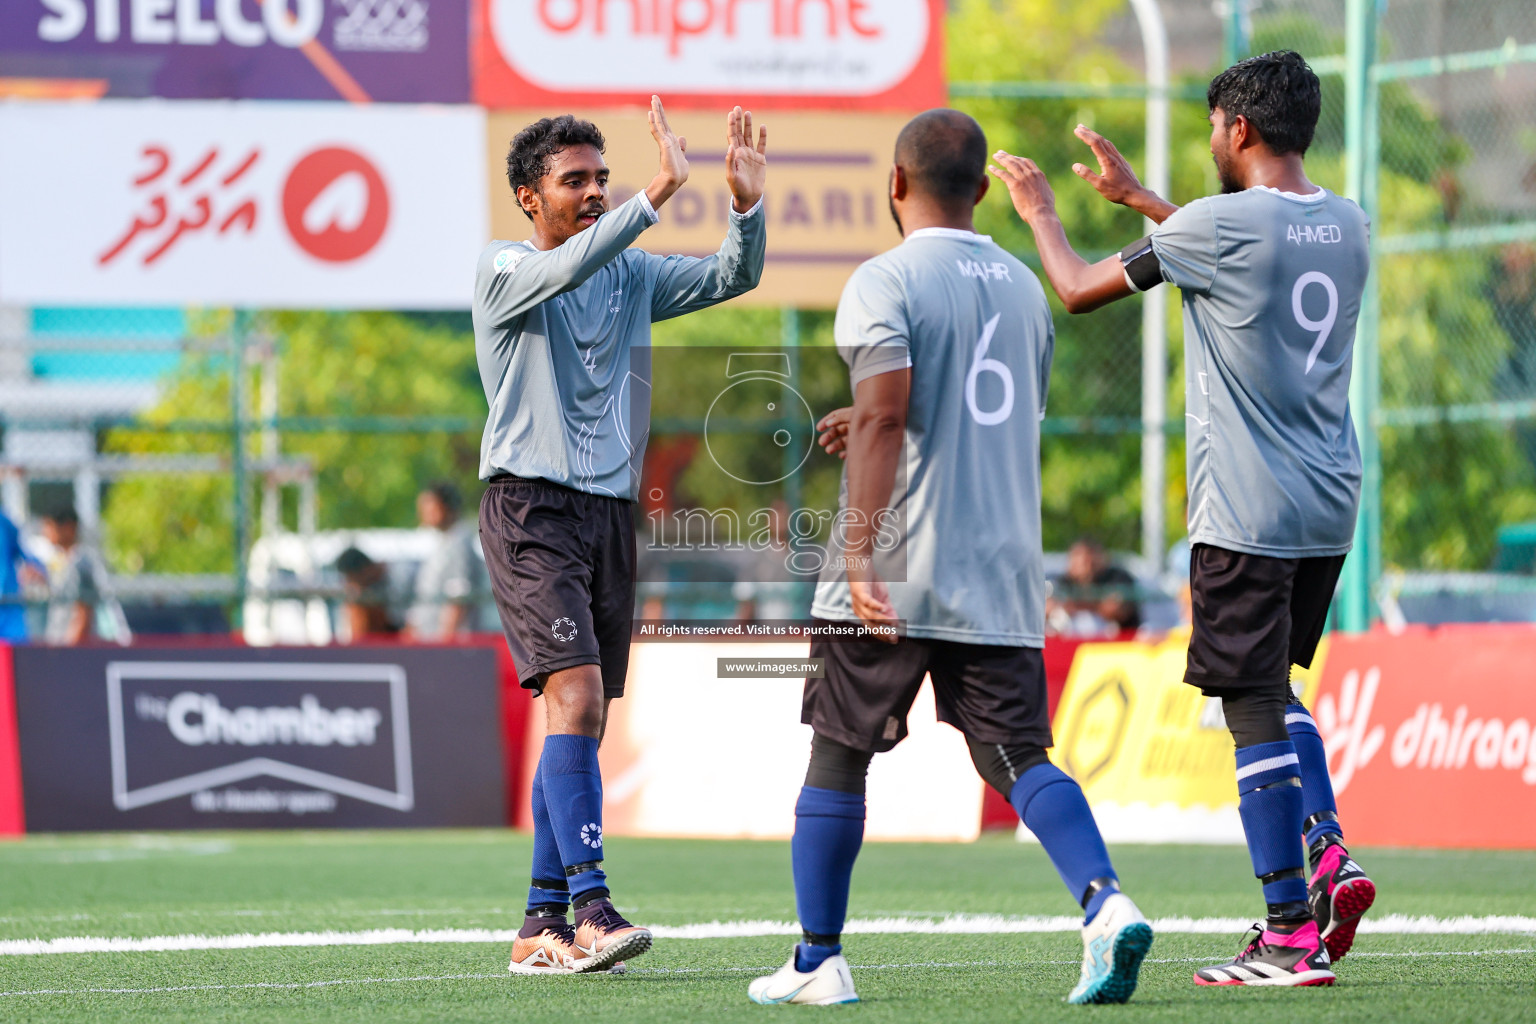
point(939, 172)
point(562, 337)
point(1272, 272)
point(948, 340)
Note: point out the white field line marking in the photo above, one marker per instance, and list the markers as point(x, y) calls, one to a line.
point(959, 924)
point(231, 988)
point(665, 970)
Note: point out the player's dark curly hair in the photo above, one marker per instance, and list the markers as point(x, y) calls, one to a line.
point(528, 156)
point(1278, 94)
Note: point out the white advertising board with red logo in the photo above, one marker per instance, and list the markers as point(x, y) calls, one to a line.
point(852, 54)
point(1429, 735)
point(277, 205)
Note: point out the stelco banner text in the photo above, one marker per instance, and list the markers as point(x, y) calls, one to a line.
point(358, 50)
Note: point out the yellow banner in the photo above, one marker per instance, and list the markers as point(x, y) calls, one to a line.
point(826, 200)
point(1131, 731)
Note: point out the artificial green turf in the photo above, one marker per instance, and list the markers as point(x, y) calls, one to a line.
point(229, 883)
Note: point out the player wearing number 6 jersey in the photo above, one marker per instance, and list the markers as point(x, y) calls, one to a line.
point(1272, 272)
point(948, 341)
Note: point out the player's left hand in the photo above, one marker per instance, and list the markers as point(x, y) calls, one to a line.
point(872, 604)
point(834, 431)
point(746, 166)
point(1031, 193)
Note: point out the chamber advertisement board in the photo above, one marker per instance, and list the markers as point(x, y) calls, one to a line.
point(233, 737)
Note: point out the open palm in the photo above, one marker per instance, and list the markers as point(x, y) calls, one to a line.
point(746, 166)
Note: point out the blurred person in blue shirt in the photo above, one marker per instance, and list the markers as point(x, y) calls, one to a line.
point(16, 567)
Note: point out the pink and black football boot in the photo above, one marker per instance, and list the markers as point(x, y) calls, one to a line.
point(1338, 895)
point(1275, 958)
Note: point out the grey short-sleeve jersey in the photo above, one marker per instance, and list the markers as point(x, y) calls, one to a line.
point(973, 324)
point(562, 339)
point(1272, 284)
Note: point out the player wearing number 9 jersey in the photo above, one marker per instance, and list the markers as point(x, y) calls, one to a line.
point(948, 341)
point(1272, 273)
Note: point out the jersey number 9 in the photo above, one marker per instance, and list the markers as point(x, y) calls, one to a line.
point(1324, 326)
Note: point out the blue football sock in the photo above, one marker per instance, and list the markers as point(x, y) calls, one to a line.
point(1269, 802)
point(1316, 783)
point(573, 791)
point(1053, 807)
point(549, 886)
point(829, 829)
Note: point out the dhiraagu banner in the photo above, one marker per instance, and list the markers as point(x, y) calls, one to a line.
point(1152, 753)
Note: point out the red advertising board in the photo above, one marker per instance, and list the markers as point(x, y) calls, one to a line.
point(12, 819)
point(1429, 736)
point(820, 54)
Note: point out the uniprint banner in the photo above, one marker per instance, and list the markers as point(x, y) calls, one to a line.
point(406, 51)
point(328, 206)
point(230, 738)
point(1152, 753)
point(848, 54)
point(1429, 736)
point(826, 202)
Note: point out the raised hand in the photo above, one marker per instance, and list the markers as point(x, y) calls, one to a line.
point(1116, 181)
point(746, 166)
point(672, 150)
point(1031, 193)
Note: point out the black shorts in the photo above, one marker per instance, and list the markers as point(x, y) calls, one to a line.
point(1255, 616)
point(562, 565)
point(992, 694)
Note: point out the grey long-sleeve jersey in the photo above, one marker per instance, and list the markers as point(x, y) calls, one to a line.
point(563, 339)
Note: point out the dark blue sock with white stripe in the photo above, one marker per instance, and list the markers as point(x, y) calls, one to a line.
point(573, 788)
point(829, 829)
point(1052, 806)
point(1269, 801)
point(1316, 783)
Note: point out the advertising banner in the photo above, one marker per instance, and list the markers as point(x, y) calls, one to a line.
point(826, 201)
point(11, 819)
point(404, 51)
point(1152, 753)
point(1429, 736)
point(847, 54)
point(325, 206)
point(689, 753)
point(269, 738)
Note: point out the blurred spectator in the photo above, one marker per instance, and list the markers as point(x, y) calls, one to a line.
point(1176, 578)
point(451, 578)
point(1093, 596)
point(78, 582)
point(16, 568)
point(365, 609)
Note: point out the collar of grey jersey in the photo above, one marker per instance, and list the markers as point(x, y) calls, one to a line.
point(958, 234)
point(1312, 197)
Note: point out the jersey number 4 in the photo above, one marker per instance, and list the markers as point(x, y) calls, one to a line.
point(1324, 326)
point(980, 364)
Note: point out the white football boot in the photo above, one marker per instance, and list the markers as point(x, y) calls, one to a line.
point(829, 983)
point(1114, 944)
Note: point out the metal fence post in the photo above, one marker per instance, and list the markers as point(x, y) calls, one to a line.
point(1154, 309)
point(238, 404)
point(789, 338)
point(1362, 142)
point(1234, 36)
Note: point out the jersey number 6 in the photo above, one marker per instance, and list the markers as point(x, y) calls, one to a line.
point(980, 364)
point(1323, 326)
